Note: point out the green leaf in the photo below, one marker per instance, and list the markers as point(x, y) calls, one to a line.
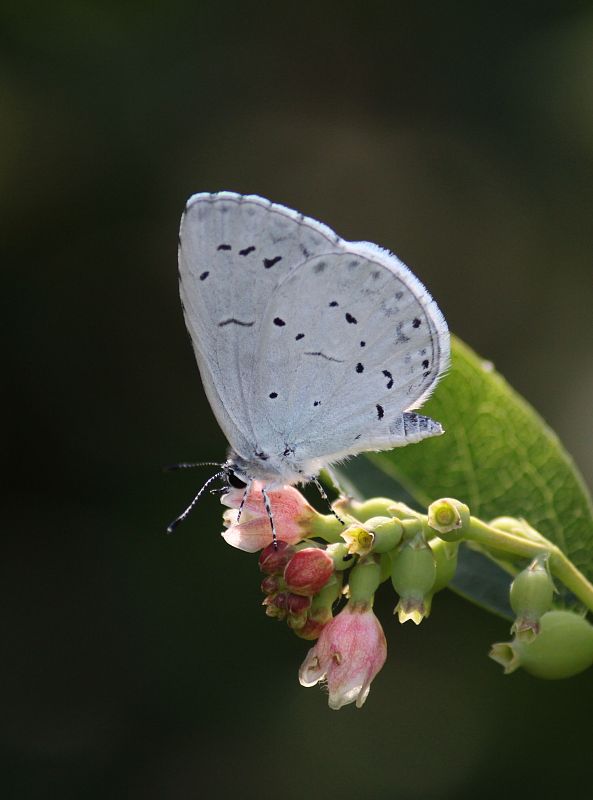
point(498, 456)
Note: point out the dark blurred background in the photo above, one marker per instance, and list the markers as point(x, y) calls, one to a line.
point(460, 135)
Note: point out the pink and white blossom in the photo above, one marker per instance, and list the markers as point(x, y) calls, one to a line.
point(350, 651)
point(292, 517)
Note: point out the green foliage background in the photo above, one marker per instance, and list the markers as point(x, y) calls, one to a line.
point(460, 136)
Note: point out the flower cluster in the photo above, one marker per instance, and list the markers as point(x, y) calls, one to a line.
point(320, 562)
point(321, 574)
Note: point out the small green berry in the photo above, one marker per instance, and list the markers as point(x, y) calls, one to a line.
point(563, 648)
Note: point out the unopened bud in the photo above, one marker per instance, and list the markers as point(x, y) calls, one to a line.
point(531, 595)
point(445, 557)
point(270, 584)
point(340, 555)
point(376, 506)
point(308, 571)
point(312, 626)
point(275, 557)
point(413, 575)
point(320, 612)
point(272, 608)
point(402, 511)
point(518, 527)
point(563, 648)
point(387, 532)
point(293, 603)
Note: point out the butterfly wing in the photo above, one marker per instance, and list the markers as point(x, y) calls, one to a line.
point(234, 251)
point(350, 343)
point(310, 348)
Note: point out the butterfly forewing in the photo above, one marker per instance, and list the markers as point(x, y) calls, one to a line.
point(233, 252)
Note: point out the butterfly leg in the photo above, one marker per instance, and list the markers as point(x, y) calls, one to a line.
point(268, 508)
point(326, 498)
point(242, 503)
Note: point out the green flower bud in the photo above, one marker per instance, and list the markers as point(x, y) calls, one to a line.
point(340, 555)
point(375, 507)
point(531, 595)
point(563, 648)
point(449, 518)
point(518, 527)
point(402, 511)
point(387, 532)
point(364, 581)
point(509, 525)
point(413, 575)
point(445, 556)
point(412, 528)
point(385, 564)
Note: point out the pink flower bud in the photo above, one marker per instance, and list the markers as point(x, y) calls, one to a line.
point(270, 584)
point(308, 571)
point(293, 603)
point(292, 517)
point(313, 626)
point(273, 559)
point(350, 651)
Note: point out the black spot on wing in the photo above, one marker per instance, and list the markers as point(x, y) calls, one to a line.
point(224, 247)
point(327, 358)
point(350, 319)
point(204, 275)
point(273, 395)
point(279, 322)
point(380, 411)
point(416, 322)
point(425, 363)
point(400, 336)
point(389, 377)
point(363, 344)
point(246, 251)
point(359, 368)
point(234, 321)
point(269, 262)
point(333, 304)
point(299, 336)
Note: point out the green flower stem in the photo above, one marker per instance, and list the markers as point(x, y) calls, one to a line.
point(560, 566)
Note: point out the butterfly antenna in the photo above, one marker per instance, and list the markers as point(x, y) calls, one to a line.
point(326, 498)
point(172, 467)
point(270, 517)
point(183, 515)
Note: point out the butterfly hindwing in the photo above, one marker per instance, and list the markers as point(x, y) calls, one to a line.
point(350, 341)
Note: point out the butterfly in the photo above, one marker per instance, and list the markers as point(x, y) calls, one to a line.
point(310, 348)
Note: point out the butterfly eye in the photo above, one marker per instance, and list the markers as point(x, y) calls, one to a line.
point(235, 481)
